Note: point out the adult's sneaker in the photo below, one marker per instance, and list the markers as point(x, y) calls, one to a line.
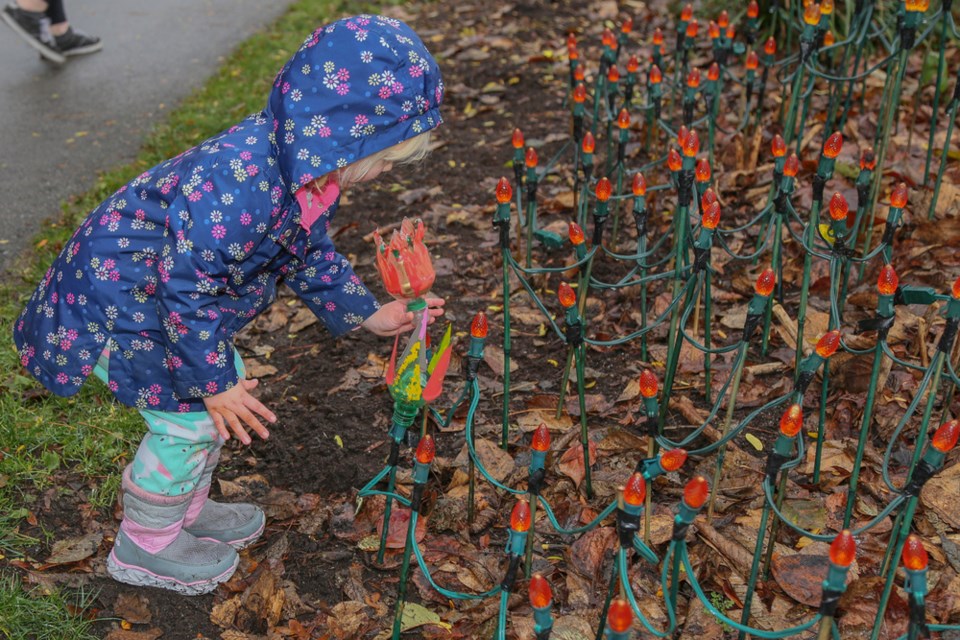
point(33, 28)
point(76, 43)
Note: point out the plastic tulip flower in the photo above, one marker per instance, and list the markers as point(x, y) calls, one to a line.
point(404, 264)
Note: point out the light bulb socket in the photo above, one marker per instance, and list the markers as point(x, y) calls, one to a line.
point(421, 472)
point(885, 306)
point(475, 349)
point(542, 622)
point(580, 250)
point(933, 457)
point(617, 635)
point(915, 582)
point(628, 524)
point(704, 242)
point(502, 214)
point(517, 543)
point(537, 460)
point(651, 408)
point(650, 468)
point(836, 580)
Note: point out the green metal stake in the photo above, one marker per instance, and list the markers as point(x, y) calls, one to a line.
point(501, 220)
point(421, 472)
point(951, 117)
point(941, 67)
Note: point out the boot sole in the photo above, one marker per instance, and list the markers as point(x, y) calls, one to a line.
point(239, 544)
point(84, 50)
point(140, 577)
point(45, 51)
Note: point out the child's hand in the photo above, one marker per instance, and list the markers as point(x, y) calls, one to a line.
point(235, 407)
point(393, 317)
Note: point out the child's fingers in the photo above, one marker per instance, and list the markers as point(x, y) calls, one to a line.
point(260, 409)
point(221, 427)
point(238, 428)
point(251, 421)
point(250, 383)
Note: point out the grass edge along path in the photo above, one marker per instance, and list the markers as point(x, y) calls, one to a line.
point(88, 437)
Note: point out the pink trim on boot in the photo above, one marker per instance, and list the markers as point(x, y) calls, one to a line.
point(196, 505)
point(130, 486)
point(151, 540)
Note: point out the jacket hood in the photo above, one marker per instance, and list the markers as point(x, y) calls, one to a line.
point(355, 87)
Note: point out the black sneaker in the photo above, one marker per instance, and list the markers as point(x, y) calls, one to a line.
point(75, 43)
point(32, 27)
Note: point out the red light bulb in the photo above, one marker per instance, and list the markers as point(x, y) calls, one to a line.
point(579, 74)
point(636, 490)
point(898, 198)
point(693, 78)
point(955, 291)
point(843, 549)
point(571, 40)
point(868, 160)
point(686, 13)
point(766, 281)
point(426, 450)
point(696, 492)
point(576, 234)
point(753, 9)
point(619, 616)
point(711, 216)
point(691, 146)
point(541, 438)
point(613, 74)
point(713, 30)
point(833, 145)
point(914, 555)
point(656, 76)
point(572, 53)
point(692, 29)
point(673, 459)
point(639, 184)
point(731, 32)
point(838, 207)
point(649, 385)
point(723, 19)
point(946, 435)
point(828, 343)
point(713, 72)
point(530, 159)
point(753, 61)
point(682, 134)
point(703, 170)
point(887, 281)
point(627, 26)
point(539, 590)
point(608, 39)
point(657, 37)
point(579, 93)
point(770, 46)
point(504, 191)
point(828, 38)
point(791, 166)
point(633, 64)
point(674, 161)
point(566, 295)
point(623, 119)
point(604, 189)
point(517, 139)
point(791, 421)
point(478, 328)
point(708, 198)
point(589, 144)
point(520, 516)
point(778, 146)
point(811, 14)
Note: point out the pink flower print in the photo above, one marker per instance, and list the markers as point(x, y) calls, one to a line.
point(183, 407)
point(207, 186)
point(343, 89)
point(153, 401)
point(245, 218)
point(211, 357)
point(113, 386)
point(252, 170)
point(360, 119)
point(245, 155)
point(86, 370)
point(403, 117)
point(415, 71)
point(212, 387)
point(397, 87)
point(174, 363)
point(324, 132)
point(194, 196)
point(384, 93)
point(330, 306)
point(62, 378)
point(155, 389)
point(54, 297)
point(219, 231)
point(70, 298)
point(286, 88)
point(72, 334)
point(326, 278)
point(352, 26)
point(114, 276)
point(329, 256)
point(343, 74)
point(248, 246)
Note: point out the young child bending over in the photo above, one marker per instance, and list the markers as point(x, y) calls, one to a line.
point(154, 284)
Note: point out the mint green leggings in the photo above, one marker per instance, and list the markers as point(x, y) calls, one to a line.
point(175, 450)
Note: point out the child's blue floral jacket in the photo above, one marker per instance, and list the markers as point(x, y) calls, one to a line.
point(165, 271)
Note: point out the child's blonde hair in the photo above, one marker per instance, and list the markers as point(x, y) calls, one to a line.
point(409, 151)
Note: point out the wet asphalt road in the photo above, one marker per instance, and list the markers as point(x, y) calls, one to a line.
point(59, 126)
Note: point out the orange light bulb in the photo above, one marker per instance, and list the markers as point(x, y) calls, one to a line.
point(613, 74)
point(711, 216)
point(914, 555)
point(478, 328)
point(833, 145)
point(619, 616)
point(811, 15)
point(657, 37)
point(946, 435)
point(649, 385)
point(753, 9)
point(955, 291)
point(838, 207)
point(828, 343)
point(589, 143)
point(770, 46)
point(917, 6)
point(633, 64)
point(682, 134)
point(673, 459)
point(693, 78)
point(572, 53)
point(579, 93)
point(539, 590)
point(731, 32)
point(766, 281)
point(656, 76)
point(692, 29)
point(566, 295)
point(887, 281)
point(708, 198)
point(791, 421)
point(713, 30)
point(868, 160)
point(703, 170)
point(828, 38)
point(792, 166)
point(753, 61)
point(504, 191)
point(691, 146)
point(530, 159)
point(826, 7)
point(576, 234)
point(639, 184)
point(686, 13)
point(571, 40)
point(778, 146)
point(723, 19)
point(843, 549)
point(635, 490)
point(623, 119)
point(696, 492)
point(627, 26)
point(520, 516)
point(713, 72)
point(517, 139)
point(674, 161)
point(604, 189)
point(541, 438)
point(608, 39)
point(426, 450)
point(898, 198)
point(579, 74)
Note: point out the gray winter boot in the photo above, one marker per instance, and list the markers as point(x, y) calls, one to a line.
point(236, 524)
point(153, 550)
